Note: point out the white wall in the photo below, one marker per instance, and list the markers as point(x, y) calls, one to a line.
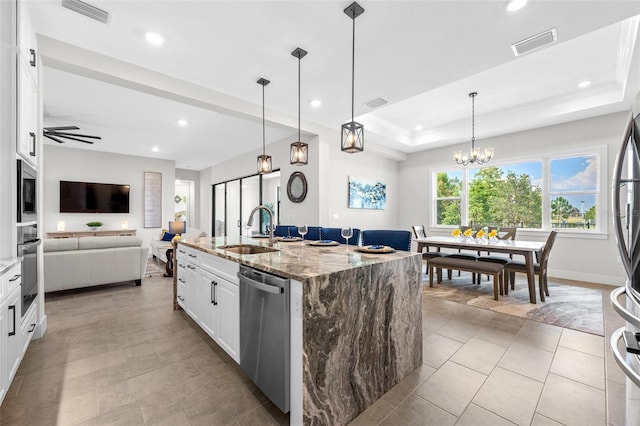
point(62, 163)
point(593, 259)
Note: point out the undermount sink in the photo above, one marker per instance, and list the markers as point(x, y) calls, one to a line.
point(248, 249)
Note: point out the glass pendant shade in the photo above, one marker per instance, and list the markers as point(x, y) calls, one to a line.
point(299, 153)
point(264, 164)
point(352, 137)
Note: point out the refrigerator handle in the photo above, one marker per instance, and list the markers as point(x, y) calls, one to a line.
point(626, 369)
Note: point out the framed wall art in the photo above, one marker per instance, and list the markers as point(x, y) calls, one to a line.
point(367, 195)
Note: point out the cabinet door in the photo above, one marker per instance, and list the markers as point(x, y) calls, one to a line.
point(228, 298)
point(27, 42)
point(27, 115)
point(12, 312)
point(4, 341)
point(209, 289)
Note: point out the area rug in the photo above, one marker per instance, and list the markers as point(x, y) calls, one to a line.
point(155, 268)
point(569, 306)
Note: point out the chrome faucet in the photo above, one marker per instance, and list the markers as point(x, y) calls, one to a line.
point(250, 221)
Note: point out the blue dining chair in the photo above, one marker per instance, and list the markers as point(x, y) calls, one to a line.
point(399, 240)
point(286, 231)
point(334, 234)
point(313, 233)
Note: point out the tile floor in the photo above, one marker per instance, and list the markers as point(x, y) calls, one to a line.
point(119, 355)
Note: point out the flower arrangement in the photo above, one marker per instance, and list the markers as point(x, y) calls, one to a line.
point(468, 233)
point(480, 234)
point(455, 233)
point(493, 233)
point(94, 224)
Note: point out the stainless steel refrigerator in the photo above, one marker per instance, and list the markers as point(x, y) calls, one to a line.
point(625, 342)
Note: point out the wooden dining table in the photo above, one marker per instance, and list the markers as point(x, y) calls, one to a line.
point(517, 247)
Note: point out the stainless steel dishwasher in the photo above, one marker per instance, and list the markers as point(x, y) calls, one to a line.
point(264, 333)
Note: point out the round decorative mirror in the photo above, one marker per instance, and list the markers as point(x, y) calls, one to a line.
point(297, 187)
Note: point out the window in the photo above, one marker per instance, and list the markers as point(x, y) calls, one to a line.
point(574, 191)
point(448, 197)
point(553, 192)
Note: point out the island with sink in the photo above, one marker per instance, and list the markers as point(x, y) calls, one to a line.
point(355, 319)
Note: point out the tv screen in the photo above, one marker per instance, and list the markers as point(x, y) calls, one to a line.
point(86, 197)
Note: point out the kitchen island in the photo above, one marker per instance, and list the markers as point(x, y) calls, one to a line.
point(359, 330)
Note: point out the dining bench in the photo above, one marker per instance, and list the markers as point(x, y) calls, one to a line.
point(468, 265)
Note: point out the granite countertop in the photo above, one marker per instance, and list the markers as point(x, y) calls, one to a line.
point(6, 264)
point(295, 259)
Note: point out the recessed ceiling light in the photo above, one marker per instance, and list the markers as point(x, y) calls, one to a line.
point(182, 122)
point(154, 38)
point(419, 128)
point(513, 5)
point(316, 103)
point(155, 149)
point(584, 84)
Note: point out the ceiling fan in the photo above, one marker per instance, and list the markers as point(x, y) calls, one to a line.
point(56, 133)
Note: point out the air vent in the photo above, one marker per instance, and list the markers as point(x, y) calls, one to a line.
point(376, 102)
point(534, 42)
point(87, 10)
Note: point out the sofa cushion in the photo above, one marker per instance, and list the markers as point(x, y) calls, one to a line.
point(88, 243)
point(60, 244)
point(167, 236)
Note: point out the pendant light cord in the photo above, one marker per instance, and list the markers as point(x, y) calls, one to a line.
point(299, 60)
point(353, 66)
point(263, 149)
point(473, 121)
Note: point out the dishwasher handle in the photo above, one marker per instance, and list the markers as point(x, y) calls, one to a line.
point(260, 286)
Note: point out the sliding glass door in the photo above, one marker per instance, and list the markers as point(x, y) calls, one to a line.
point(233, 201)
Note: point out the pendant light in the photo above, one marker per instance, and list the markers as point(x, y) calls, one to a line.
point(264, 161)
point(299, 152)
point(477, 155)
point(352, 132)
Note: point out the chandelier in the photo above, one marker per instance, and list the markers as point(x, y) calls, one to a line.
point(478, 155)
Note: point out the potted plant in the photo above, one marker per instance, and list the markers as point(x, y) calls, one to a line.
point(95, 226)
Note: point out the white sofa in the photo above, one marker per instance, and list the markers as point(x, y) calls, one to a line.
point(159, 247)
point(88, 261)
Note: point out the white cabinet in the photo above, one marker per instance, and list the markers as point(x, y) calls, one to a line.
point(4, 329)
point(210, 296)
point(12, 340)
point(228, 298)
point(27, 115)
point(208, 306)
point(27, 96)
point(27, 42)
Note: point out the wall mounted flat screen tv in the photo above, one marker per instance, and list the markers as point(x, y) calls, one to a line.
point(87, 197)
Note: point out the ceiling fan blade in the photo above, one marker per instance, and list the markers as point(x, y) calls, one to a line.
point(64, 134)
point(47, 135)
point(61, 128)
point(73, 139)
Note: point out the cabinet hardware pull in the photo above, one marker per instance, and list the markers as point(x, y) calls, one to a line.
point(214, 301)
point(13, 308)
point(181, 280)
point(192, 255)
point(181, 251)
point(32, 327)
point(181, 298)
point(32, 53)
point(15, 277)
point(213, 285)
point(191, 267)
point(33, 144)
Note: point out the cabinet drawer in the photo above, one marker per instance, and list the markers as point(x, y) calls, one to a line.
point(29, 324)
point(181, 294)
point(13, 277)
point(188, 254)
point(226, 269)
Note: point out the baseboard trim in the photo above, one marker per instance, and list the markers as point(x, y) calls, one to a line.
point(590, 278)
point(41, 328)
